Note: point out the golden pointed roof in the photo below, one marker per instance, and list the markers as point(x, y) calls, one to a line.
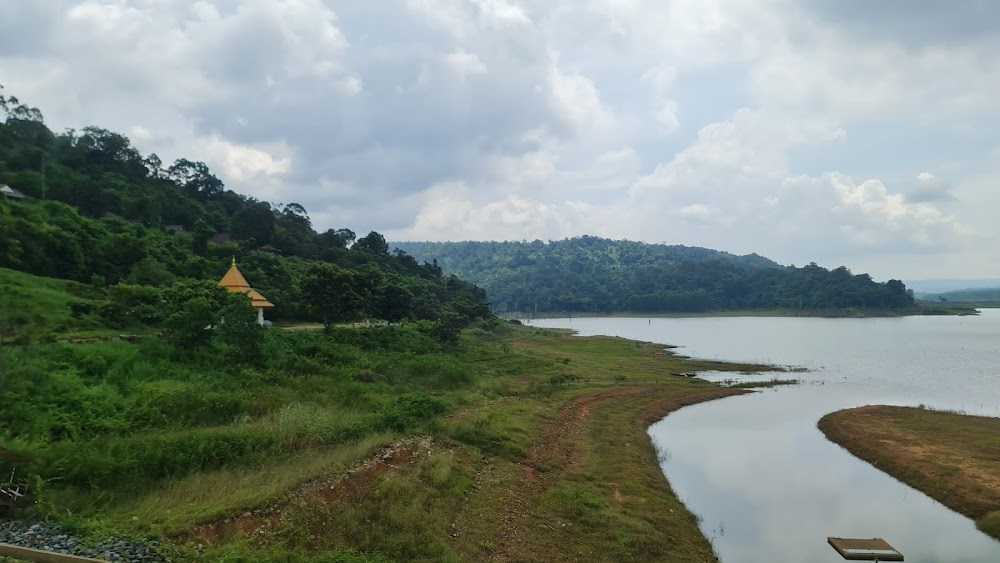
point(234, 282)
point(259, 300)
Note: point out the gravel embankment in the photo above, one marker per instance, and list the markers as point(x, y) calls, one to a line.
point(51, 537)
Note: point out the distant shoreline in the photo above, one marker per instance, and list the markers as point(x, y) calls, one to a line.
point(849, 313)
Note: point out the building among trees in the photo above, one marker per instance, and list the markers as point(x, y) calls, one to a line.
point(234, 282)
point(10, 193)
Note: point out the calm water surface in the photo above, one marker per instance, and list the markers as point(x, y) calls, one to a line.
point(767, 484)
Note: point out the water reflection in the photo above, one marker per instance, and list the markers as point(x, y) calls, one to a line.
point(767, 484)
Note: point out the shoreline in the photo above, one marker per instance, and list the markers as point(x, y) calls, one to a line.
point(952, 458)
point(848, 313)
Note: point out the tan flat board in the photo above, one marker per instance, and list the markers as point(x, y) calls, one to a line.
point(875, 549)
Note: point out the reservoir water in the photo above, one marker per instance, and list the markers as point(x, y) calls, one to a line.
point(768, 486)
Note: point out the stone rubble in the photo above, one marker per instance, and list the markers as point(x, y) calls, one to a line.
point(51, 537)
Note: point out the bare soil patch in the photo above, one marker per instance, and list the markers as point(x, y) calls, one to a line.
point(343, 487)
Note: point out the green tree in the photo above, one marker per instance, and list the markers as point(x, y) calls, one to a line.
point(372, 243)
point(190, 326)
point(195, 178)
point(132, 304)
point(394, 302)
point(332, 294)
point(239, 330)
point(150, 271)
point(449, 327)
point(202, 232)
point(254, 222)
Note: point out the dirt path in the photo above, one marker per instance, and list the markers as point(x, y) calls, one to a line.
point(342, 487)
point(558, 452)
point(507, 515)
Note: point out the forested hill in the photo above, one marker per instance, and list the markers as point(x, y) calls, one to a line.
point(591, 274)
point(88, 206)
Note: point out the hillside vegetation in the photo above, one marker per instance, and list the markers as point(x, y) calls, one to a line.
point(591, 274)
point(140, 399)
point(101, 213)
point(385, 444)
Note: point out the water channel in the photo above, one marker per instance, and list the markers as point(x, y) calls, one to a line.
point(767, 484)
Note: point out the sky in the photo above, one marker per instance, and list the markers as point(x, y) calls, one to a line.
point(842, 132)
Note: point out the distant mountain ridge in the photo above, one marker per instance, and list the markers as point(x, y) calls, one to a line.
point(945, 285)
point(602, 275)
point(964, 295)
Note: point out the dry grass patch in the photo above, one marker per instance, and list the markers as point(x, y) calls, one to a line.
point(953, 458)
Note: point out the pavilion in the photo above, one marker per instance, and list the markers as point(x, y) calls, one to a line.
point(234, 282)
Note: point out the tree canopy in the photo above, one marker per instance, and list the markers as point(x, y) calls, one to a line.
point(101, 212)
point(591, 274)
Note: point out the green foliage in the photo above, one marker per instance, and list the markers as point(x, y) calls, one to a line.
point(563, 379)
point(333, 293)
point(191, 324)
point(448, 327)
point(105, 219)
point(124, 416)
point(240, 331)
point(577, 502)
point(129, 305)
point(394, 302)
point(409, 410)
point(591, 274)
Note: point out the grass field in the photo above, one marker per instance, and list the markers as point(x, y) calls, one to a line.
point(550, 462)
point(953, 458)
point(46, 305)
point(515, 444)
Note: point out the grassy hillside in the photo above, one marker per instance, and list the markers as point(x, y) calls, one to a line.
point(384, 444)
point(101, 213)
point(36, 306)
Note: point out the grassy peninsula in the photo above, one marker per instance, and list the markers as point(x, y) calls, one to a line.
point(953, 458)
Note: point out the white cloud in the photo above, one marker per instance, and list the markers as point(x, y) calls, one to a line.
point(666, 116)
point(451, 215)
point(451, 16)
point(698, 212)
point(576, 99)
point(661, 78)
point(804, 135)
point(255, 170)
point(501, 12)
point(930, 188)
point(464, 64)
point(352, 85)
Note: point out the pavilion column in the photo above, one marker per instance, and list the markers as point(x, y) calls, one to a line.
point(260, 316)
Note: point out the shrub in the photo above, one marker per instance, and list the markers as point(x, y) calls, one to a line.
point(410, 410)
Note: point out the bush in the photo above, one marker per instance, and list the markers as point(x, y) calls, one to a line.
point(410, 410)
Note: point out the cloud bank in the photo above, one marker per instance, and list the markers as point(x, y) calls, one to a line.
point(799, 129)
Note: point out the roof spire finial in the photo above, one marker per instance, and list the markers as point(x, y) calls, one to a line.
point(234, 260)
